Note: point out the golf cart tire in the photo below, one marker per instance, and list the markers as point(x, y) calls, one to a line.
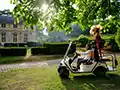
point(63, 72)
point(100, 71)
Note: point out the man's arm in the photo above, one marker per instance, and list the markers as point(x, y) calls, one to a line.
point(83, 53)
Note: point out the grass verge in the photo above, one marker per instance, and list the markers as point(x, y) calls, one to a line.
point(19, 59)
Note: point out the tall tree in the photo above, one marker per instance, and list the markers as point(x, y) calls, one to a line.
point(61, 13)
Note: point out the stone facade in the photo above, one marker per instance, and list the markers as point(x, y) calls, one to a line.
point(11, 33)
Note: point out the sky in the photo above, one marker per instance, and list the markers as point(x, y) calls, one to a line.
point(5, 4)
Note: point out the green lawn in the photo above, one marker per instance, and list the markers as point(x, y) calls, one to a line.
point(19, 59)
point(48, 79)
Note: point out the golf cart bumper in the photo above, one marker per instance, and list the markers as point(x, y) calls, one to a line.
point(111, 69)
point(110, 59)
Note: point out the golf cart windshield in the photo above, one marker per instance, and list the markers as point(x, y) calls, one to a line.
point(68, 50)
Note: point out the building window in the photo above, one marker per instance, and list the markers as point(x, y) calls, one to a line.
point(14, 37)
point(25, 37)
point(3, 37)
point(3, 25)
point(14, 25)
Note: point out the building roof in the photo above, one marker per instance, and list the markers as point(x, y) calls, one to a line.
point(8, 20)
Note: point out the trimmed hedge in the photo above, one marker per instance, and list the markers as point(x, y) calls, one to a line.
point(13, 51)
point(34, 44)
point(47, 49)
point(114, 45)
point(15, 44)
point(39, 50)
point(53, 49)
point(61, 48)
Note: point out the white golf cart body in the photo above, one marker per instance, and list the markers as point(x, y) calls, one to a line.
point(93, 66)
point(107, 64)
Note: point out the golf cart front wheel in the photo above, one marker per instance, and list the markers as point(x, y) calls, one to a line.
point(63, 72)
point(100, 71)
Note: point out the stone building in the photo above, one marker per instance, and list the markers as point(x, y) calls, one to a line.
point(14, 33)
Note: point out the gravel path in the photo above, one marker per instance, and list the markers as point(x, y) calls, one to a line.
point(6, 67)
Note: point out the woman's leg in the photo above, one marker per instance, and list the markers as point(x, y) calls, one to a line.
point(100, 52)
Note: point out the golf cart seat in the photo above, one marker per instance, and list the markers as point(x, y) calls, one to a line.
point(106, 58)
point(88, 62)
point(91, 60)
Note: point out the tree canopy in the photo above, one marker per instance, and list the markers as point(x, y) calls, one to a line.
point(60, 14)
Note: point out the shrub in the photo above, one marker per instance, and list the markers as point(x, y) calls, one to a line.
point(13, 51)
point(59, 48)
point(33, 44)
point(39, 50)
point(107, 43)
point(114, 46)
point(83, 40)
point(14, 44)
point(22, 44)
point(53, 49)
point(10, 44)
point(117, 37)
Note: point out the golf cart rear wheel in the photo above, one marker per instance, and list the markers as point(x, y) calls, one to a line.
point(63, 72)
point(100, 71)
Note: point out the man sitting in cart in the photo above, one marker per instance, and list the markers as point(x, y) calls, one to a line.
point(83, 56)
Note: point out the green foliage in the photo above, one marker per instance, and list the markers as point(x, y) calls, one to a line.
point(83, 40)
point(61, 13)
point(112, 29)
point(117, 37)
point(115, 48)
point(108, 36)
point(114, 45)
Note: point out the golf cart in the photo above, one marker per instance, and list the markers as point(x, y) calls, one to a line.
point(97, 67)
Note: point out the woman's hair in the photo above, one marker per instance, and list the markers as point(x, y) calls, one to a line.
point(95, 29)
